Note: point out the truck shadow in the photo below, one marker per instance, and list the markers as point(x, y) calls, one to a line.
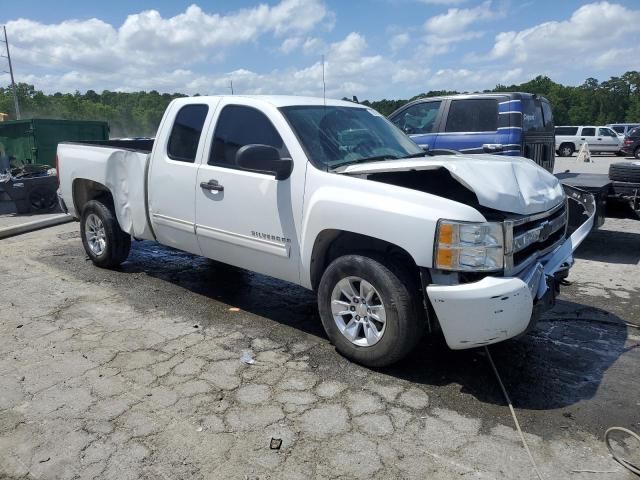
point(560, 363)
point(622, 247)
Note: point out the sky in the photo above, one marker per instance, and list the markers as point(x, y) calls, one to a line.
point(373, 49)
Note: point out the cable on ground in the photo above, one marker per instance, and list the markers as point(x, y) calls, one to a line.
point(513, 414)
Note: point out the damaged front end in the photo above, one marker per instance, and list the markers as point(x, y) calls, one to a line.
point(538, 252)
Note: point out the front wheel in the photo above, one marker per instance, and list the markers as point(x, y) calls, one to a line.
point(369, 309)
point(566, 150)
point(103, 239)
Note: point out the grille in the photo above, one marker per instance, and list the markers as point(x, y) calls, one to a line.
point(529, 238)
point(541, 152)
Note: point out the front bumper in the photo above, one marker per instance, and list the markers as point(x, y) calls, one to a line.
point(498, 308)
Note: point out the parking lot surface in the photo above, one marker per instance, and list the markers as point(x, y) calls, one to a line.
point(137, 373)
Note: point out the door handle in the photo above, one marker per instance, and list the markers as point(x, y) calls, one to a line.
point(212, 185)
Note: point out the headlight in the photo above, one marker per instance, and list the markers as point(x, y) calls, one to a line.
point(469, 246)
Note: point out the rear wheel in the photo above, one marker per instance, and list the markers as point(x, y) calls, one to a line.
point(636, 153)
point(369, 309)
point(103, 239)
point(566, 150)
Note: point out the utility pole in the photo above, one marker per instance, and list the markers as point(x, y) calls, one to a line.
point(10, 72)
point(231, 86)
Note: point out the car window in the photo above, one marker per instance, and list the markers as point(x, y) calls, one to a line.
point(238, 126)
point(473, 115)
point(634, 132)
point(186, 131)
point(547, 113)
point(606, 132)
point(566, 130)
point(419, 118)
point(589, 132)
point(618, 128)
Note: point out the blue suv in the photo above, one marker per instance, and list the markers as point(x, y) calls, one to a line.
point(501, 123)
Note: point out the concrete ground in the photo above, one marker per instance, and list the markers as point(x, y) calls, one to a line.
point(9, 217)
point(137, 373)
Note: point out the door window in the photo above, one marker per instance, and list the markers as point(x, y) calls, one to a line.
point(185, 134)
point(619, 128)
point(589, 132)
point(473, 115)
point(419, 118)
point(566, 130)
point(238, 126)
point(606, 132)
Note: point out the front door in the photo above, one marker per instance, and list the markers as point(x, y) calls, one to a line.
point(608, 139)
point(247, 218)
point(420, 122)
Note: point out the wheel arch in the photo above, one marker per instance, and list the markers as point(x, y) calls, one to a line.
point(85, 190)
point(330, 244)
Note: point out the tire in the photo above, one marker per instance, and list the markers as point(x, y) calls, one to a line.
point(566, 150)
point(636, 153)
point(114, 242)
point(625, 171)
point(395, 290)
point(626, 189)
point(43, 199)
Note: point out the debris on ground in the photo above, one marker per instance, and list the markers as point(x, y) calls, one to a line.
point(275, 444)
point(247, 357)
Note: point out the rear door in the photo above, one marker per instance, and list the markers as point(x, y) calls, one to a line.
point(250, 219)
point(173, 173)
point(588, 136)
point(420, 121)
point(470, 123)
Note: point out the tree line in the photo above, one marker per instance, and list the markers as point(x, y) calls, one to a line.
point(139, 113)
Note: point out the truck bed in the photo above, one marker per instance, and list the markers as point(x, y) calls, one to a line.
point(122, 170)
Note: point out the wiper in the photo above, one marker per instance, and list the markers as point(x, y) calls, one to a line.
point(364, 160)
point(415, 155)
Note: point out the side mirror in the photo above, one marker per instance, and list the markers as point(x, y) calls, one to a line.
point(424, 147)
point(264, 158)
point(492, 147)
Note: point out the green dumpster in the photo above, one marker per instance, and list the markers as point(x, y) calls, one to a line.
point(35, 141)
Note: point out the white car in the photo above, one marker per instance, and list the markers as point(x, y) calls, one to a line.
point(622, 129)
point(601, 139)
point(332, 196)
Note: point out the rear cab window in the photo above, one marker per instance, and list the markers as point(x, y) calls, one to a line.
point(186, 132)
point(588, 132)
point(473, 115)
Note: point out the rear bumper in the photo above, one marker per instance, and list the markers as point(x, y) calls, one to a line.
point(498, 308)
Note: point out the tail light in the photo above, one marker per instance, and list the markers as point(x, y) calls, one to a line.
point(628, 141)
point(58, 169)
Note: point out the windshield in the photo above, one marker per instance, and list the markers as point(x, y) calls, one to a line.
point(334, 136)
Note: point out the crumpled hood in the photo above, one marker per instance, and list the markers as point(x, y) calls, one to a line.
point(509, 184)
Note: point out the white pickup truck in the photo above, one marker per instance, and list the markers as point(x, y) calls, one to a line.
point(332, 196)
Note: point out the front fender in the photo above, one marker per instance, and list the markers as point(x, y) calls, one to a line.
point(400, 216)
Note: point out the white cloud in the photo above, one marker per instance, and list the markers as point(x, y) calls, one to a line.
point(443, 2)
point(596, 35)
point(398, 41)
point(290, 44)
point(445, 30)
point(147, 38)
point(457, 20)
